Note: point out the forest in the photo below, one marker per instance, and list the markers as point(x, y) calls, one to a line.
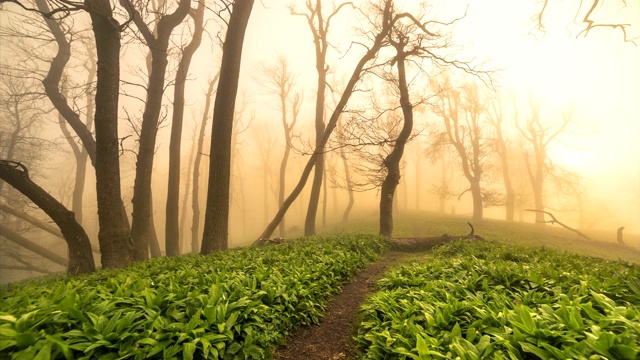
point(224, 167)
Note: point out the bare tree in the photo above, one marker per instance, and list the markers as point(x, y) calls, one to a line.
point(279, 80)
point(319, 29)
point(172, 228)
point(496, 116)
point(461, 111)
point(538, 136)
point(216, 225)
point(195, 195)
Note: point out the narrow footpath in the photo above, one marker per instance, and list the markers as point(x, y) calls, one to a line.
point(331, 339)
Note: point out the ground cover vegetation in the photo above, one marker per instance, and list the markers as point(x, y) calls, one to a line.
point(472, 300)
point(232, 304)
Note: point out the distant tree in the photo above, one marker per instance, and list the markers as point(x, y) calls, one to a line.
point(496, 116)
point(538, 135)
point(266, 146)
point(438, 151)
point(461, 110)
point(216, 226)
point(195, 192)
point(279, 80)
point(172, 228)
point(319, 29)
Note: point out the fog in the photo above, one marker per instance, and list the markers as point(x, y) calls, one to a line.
point(594, 77)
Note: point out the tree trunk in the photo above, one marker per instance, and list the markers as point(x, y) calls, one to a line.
point(476, 194)
point(116, 246)
point(172, 227)
point(80, 255)
point(216, 226)
point(355, 77)
point(314, 198)
point(392, 161)
point(185, 199)
point(154, 244)
point(140, 223)
point(195, 193)
point(281, 187)
point(347, 178)
point(324, 199)
point(418, 178)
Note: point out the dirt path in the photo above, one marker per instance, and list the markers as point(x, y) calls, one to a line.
point(331, 339)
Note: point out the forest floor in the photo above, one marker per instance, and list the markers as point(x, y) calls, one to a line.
point(332, 338)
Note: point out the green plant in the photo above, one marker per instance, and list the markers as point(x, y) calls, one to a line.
point(229, 305)
point(476, 300)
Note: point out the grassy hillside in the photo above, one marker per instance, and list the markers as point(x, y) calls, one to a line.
point(424, 223)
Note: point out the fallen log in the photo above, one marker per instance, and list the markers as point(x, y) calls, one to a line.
point(411, 244)
point(556, 221)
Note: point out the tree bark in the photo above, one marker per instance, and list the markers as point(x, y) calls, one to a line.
point(116, 246)
point(172, 227)
point(355, 78)
point(80, 255)
point(216, 226)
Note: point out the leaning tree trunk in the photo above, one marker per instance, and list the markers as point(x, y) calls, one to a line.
point(216, 225)
point(80, 255)
point(116, 246)
point(314, 199)
point(392, 161)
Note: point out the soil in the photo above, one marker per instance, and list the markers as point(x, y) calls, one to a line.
point(332, 338)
